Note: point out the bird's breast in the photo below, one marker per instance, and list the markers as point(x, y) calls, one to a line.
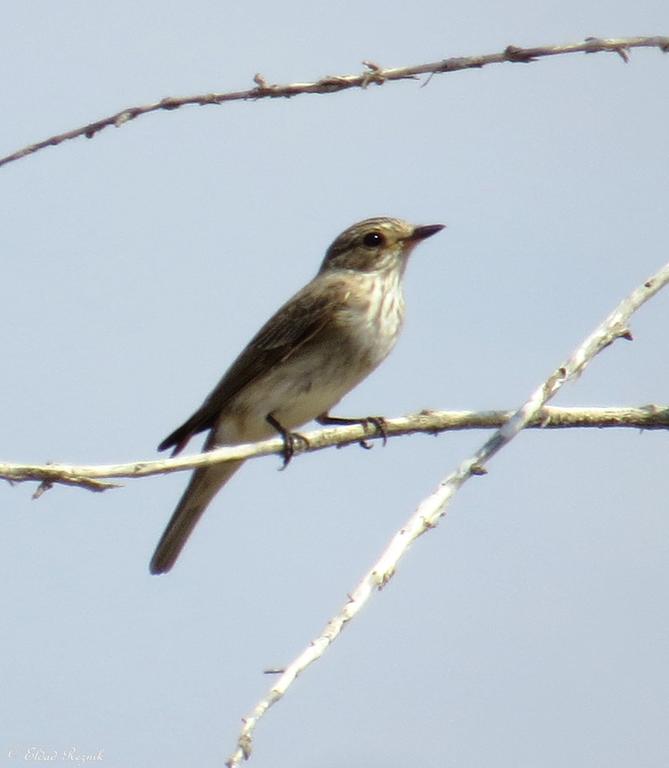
point(373, 316)
point(366, 320)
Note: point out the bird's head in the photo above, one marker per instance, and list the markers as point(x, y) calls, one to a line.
point(376, 245)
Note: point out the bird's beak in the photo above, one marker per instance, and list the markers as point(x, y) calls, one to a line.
point(427, 230)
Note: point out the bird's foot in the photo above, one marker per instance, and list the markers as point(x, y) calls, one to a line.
point(291, 444)
point(378, 422)
point(290, 440)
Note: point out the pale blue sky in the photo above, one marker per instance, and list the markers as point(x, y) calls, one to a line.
point(530, 628)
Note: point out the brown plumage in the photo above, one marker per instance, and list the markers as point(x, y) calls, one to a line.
point(316, 348)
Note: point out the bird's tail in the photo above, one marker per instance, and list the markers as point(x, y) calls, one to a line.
point(203, 486)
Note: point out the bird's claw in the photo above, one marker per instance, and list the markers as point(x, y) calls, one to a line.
point(290, 441)
point(379, 423)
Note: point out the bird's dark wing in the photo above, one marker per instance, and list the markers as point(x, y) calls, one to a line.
point(299, 320)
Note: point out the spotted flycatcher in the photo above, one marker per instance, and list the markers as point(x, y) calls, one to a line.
point(316, 348)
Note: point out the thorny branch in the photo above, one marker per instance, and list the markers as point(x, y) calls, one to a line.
point(372, 75)
point(433, 508)
point(96, 477)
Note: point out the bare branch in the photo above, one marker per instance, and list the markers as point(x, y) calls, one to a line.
point(372, 75)
point(431, 509)
point(94, 477)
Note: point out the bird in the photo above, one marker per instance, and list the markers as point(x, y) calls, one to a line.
point(316, 348)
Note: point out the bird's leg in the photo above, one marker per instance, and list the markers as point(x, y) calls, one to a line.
point(377, 421)
point(289, 439)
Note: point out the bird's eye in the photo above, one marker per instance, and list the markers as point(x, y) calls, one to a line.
point(373, 239)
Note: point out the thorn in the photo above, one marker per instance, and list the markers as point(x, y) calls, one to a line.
point(596, 45)
point(372, 75)
point(427, 80)
point(43, 487)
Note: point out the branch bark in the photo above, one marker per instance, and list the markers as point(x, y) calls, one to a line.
point(373, 74)
point(96, 477)
point(434, 507)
